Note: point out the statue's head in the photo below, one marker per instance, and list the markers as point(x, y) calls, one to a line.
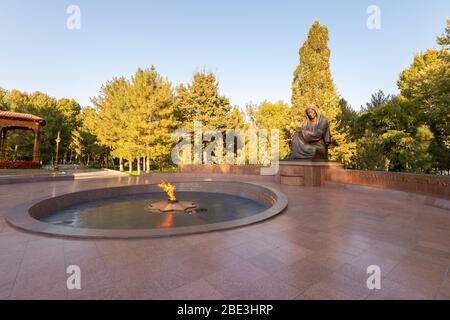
point(311, 111)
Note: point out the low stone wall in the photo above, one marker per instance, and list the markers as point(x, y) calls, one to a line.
point(438, 186)
point(408, 182)
point(221, 168)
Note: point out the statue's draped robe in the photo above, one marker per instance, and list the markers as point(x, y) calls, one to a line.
point(311, 140)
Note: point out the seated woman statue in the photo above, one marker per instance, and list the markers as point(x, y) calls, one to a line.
point(311, 140)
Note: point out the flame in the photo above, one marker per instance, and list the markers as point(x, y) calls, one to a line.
point(169, 189)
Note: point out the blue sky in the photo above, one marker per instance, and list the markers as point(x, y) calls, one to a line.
point(252, 46)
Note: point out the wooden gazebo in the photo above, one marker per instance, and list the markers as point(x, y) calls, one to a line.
point(22, 121)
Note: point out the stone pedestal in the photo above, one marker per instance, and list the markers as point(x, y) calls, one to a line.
point(305, 173)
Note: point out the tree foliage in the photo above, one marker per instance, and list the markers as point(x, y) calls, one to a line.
point(313, 84)
point(388, 135)
point(60, 115)
point(84, 144)
point(408, 132)
point(269, 116)
point(426, 84)
point(201, 100)
point(135, 118)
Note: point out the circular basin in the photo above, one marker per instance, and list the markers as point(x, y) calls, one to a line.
point(122, 212)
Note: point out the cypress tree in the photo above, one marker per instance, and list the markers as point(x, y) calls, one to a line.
point(313, 84)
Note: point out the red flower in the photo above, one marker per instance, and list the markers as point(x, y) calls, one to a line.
point(20, 165)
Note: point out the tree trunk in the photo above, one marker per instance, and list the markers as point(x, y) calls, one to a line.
point(160, 165)
point(148, 164)
point(121, 164)
point(130, 165)
point(138, 165)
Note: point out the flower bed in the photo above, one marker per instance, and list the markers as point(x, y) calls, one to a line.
point(20, 165)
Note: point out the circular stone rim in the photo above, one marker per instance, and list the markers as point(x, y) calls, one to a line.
point(22, 217)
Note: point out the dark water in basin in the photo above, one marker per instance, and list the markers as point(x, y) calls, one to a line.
point(128, 212)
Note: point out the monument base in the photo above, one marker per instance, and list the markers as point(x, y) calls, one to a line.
point(305, 172)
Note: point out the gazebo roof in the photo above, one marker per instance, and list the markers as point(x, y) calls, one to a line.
point(21, 116)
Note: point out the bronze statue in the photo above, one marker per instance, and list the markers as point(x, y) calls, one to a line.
point(311, 140)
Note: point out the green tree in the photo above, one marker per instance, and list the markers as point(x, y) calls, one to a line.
point(420, 158)
point(346, 127)
point(378, 99)
point(60, 116)
point(426, 84)
point(83, 144)
point(313, 84)
point(268, 115)
point(390, 136)
point(444, 39)
point(71, 111)
point(135, 118)
point(236, 119)
point(312, 78)
point(370, 154)
point(3, 101)
point(153, 118)
point(201, 101)
point(108, 119)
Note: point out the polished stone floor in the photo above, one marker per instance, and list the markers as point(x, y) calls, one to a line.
point(319, 248)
